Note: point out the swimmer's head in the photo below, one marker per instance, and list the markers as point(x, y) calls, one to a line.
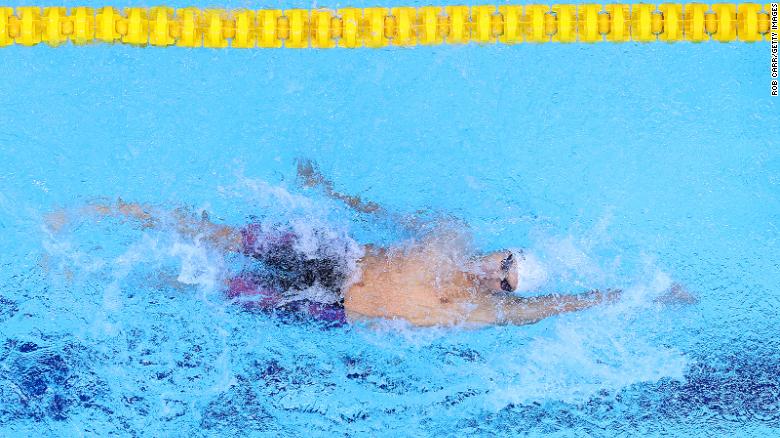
point(512, 271)
point(497, 271)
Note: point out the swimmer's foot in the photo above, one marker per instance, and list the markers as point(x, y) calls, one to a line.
point(676, 294)
point(56, 220)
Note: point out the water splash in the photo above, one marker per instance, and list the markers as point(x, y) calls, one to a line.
point(221, 357)
point(573, 357)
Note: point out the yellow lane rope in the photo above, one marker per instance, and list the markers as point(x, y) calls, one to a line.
point(380, 27)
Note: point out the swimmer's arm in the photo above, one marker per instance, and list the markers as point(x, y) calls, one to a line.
point(310, 176)
point(224, 237)
point(514, 310)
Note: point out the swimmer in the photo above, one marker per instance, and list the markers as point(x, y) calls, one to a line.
point(431, 281)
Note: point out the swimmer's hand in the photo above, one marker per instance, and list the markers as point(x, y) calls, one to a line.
point(676, 294)
point(611, 296)
point(308, 174)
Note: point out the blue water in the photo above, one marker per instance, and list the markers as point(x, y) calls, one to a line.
point(619, 165)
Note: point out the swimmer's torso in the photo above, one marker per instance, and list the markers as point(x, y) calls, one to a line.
point(423, 285)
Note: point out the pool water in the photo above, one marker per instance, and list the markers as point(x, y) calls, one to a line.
point(619, 165)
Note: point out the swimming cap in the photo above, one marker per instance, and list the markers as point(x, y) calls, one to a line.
point(531, 273)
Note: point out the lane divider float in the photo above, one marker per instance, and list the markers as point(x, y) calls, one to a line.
point(377, 27)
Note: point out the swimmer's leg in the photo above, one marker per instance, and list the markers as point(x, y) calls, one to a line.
point(510, 309)
point(224, 237)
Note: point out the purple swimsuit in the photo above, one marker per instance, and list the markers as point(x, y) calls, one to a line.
point(275, 249)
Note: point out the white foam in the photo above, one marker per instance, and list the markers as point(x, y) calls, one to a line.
point(573, 357)
point(200, 265)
